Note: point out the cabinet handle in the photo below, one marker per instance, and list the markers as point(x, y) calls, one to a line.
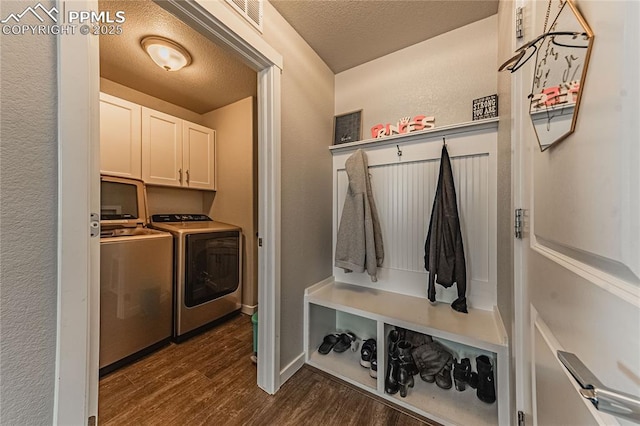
point(187, 177)
point(180, 172)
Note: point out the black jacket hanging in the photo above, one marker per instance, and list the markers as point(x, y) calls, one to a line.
point(444, 253)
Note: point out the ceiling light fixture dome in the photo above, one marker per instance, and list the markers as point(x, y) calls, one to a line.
point(167, 54)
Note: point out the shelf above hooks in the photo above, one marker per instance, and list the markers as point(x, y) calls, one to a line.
point(471, 126)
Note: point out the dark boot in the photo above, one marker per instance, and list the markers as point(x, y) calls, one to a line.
point(429, 378)
point(443, 378)
point(405, 380)
point(393, 339)
point(486, 387)
point(462, 373)
point(391, 385)
point(405, 358)
point(473, 380)
point(391, 381)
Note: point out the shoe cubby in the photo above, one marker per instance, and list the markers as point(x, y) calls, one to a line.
point(344, 365)
point(447, 406)
point(333, 306)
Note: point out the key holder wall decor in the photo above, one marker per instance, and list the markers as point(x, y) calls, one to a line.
point(561, 56)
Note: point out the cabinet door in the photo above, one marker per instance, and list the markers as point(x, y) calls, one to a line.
point(120, 148)
point(199, 151)
point(161, 148)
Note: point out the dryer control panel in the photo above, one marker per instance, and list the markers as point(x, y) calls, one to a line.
point(172, 217)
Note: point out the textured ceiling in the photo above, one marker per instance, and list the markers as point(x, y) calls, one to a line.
point(344, 33)
point(347, 33)
point(214, 79)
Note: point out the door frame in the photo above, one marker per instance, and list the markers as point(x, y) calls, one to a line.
point(77, 341)
point(78, 254)
point(521, 325)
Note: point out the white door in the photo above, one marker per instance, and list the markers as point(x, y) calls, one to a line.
point(161, 148)
point(578, 265)
point(199, 156)
point(120, 147)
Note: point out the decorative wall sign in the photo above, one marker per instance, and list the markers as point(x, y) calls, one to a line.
point(347, 127)
point(404, 125)
point(486, 107)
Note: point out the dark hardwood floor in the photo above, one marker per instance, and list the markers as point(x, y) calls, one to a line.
point(210, 380)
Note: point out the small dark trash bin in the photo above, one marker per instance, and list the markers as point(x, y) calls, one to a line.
point(254, 321)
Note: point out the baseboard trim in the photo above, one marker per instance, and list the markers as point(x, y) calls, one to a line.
point(248, 309)
point(291, 368)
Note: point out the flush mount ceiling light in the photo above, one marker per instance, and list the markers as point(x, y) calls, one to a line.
point(167, 54)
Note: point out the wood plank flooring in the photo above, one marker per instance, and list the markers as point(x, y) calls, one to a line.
point(210, 379)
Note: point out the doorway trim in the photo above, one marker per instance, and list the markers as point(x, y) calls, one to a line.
point(76, 384)
point(223, 26)
point(78, 280)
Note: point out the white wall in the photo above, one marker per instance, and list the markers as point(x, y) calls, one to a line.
point(307, 114)
point(28, 226)
point(439, 77)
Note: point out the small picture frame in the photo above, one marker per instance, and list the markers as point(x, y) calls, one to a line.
point(347, 127)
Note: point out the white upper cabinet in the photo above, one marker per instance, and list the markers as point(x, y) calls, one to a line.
point(176, 152)
point(119, 137)
point(198, 156)
point(158, 148)
point(162, 149)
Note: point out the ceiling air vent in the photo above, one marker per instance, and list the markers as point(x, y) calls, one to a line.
point(251, 10)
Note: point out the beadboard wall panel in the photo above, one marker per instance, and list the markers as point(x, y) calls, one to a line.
point(404, 189)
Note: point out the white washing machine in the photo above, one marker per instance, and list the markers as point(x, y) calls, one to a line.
point(208, 270)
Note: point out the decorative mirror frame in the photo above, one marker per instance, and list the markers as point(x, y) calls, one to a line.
point(544, 145)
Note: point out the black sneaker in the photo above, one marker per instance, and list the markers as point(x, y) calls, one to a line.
point(367, 353)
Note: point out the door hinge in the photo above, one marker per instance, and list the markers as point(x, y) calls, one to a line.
point(519, 223)
point(259, 242)
point(94, 224)
point(520, 418)
point(91, 421)
point(519, 22)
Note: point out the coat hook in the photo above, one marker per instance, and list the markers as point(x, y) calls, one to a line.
point(399, 151)
point(444, 141)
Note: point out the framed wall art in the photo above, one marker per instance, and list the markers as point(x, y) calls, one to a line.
point(347, 127)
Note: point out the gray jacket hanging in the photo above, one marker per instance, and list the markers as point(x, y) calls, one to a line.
point(359, 244)
point(444, 253)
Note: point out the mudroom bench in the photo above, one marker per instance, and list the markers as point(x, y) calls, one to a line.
point(403, 171)
point(334, 306)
